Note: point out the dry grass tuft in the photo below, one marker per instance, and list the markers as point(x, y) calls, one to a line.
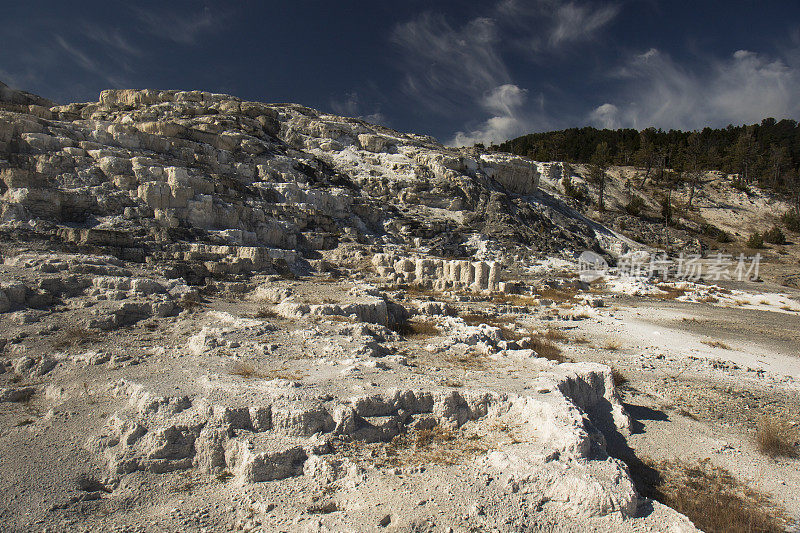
point(469, 361)
point(612, 345)
point(513, 299)
point(77, 337)
point(545, 348)
point(245, 370)
point(710, 496)
point(249, 371)
point(717, 344)
point(415, 291)
point(191, 302)
point(265, 312)
point(557, 295)
point(556, 335)
point(776, 438)
point(671, 293)
point(618, 377)
point(416, 329)
point(438, 445)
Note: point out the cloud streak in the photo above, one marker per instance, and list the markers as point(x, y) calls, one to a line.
point(179, 26)
point(464, 69)
point(448, 67)
point(351, 106)
point(742, 88)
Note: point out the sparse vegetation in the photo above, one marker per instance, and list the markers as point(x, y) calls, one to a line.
point(717, 344)
point(245, 370)
point(713, 499)
point(612, 345)
point(671, 292)
point(265, 312)
point(437, 445)
point(556, 335)
point(756, 240)
point(545, 348)
point(775, 236)
point(716, 233)
point(513, 299)
point(618, 377)
point(776, 438)
point(557, 295)
point(740, 185)
point(224, 476)
point(724, 237)
point(323, 508)
point(576, 193)
point(635, 206)
point(416, 329)
point(505, 324)
point(249, 371)
point(791, 219)
point(76, 337)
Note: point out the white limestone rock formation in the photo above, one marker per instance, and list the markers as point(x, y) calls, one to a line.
point(219, 186)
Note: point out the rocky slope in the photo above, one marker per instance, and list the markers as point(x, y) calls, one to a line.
point(215, 185)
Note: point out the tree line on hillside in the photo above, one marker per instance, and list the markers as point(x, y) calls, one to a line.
point(766, 153)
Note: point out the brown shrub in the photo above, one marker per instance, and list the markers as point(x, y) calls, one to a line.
point(710, 496)
point(612, 345)
point(546, 349)
point(619, 378)
point(245, 370)
point(717, 344)
point(557, 295)
point(416, 329)
point(776, 438)
point(556, 335)
point(77, 337)
point(265, 312)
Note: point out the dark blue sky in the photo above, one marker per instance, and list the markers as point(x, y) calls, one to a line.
point(461, 71)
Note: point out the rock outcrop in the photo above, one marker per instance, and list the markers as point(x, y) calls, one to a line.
point(217, 186)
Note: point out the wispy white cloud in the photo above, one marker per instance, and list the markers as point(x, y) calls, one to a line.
point(576, 22)
point(351, 106)
point(181, 26)
point(463, 69)
point(90, 64)
point(447, 67)
point(744, 87)
point(111, 38)
point(506, 104)
point(554, 24)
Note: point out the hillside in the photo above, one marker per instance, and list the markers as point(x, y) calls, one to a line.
point(227, 315)
point(767, 153)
